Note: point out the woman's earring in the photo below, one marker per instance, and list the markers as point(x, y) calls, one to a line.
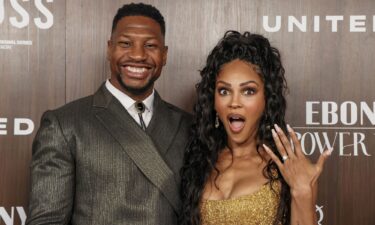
point(217, 123)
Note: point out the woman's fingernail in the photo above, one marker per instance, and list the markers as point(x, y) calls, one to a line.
point(289, 128)
point(277, 127)
point(274, 133)
point(329, 151)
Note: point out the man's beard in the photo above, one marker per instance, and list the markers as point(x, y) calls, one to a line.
point(136, 91)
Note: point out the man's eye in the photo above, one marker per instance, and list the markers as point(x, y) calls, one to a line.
point(150, 45)
point(124, 44)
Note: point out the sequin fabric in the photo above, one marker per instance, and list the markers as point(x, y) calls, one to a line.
point(258, 208)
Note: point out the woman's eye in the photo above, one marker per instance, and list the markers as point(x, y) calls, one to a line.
point(223, 91)
point(249, 91)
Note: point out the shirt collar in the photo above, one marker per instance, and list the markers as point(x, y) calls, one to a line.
point(127, 101)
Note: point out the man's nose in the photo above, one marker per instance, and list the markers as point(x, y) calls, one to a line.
point(137, 53)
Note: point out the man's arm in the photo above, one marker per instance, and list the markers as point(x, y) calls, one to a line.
point(52, 175)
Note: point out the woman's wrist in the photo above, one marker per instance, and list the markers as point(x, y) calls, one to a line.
point(304, 193)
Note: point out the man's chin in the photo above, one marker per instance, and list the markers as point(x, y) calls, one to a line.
point(137, 90)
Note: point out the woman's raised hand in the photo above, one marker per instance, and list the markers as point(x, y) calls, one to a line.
point(297, 170)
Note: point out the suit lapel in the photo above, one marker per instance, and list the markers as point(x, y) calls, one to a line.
point(136, 143)
point(163, 128)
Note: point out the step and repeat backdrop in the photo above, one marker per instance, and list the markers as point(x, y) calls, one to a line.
point(54, 51)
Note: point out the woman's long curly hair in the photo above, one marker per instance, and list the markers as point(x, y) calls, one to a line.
point(207, 142)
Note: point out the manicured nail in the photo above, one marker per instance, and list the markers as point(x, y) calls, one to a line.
point(277, 128)
point(289, 128)
point(329, 151)
point(265, 147)
point(274, 133)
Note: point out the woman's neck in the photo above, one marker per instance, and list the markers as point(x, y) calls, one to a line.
point(246, 149)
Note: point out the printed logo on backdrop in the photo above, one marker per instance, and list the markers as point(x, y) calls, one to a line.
point(355, 23)
point(21, 126)
point(42, 20)
point(14, 213)
point(345, 127)
point(319, 214)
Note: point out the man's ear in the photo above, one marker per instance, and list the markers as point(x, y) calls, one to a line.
point(165, 54)
point(109, 49)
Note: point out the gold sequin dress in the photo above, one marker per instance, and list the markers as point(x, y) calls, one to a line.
point(258, 208)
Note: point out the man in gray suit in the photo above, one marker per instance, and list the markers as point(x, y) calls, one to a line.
point(114, 157)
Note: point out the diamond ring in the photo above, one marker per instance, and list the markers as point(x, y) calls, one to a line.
point(285, 157)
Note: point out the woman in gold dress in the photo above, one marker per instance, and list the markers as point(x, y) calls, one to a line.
point(240, 167)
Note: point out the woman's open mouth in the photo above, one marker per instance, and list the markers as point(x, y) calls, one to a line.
point(236, 122)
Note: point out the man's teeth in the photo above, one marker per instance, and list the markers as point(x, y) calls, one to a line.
point(136, 69)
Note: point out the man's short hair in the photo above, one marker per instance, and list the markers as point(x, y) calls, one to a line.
point(139, 9)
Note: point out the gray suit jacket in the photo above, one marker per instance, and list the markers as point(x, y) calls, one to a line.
point(93, 164)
